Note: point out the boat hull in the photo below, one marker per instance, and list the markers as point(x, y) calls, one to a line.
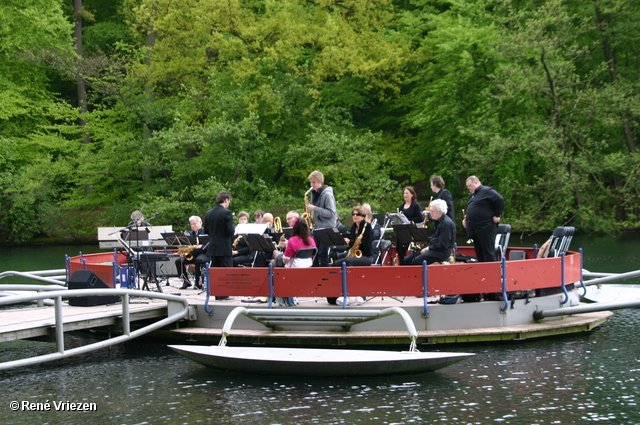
point(317, 362)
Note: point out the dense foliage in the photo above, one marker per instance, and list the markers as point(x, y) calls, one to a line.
point(163, 104)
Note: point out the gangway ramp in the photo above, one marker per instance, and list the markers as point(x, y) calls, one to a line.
point(23, 323)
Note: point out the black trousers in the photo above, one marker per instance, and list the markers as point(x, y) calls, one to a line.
point(484, 242)
point(198, 261)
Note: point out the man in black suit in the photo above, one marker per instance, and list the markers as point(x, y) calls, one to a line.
point(218, 224)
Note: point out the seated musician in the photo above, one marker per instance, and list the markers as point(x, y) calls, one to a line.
point(375, 228)
point(195, 256)
point(241, 251)
point(443, 238)
point(359, 241)
point(277, 261)
point(301, 239)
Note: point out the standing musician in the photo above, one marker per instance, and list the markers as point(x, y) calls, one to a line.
point(323, 210)
point(484, 208)
point(196, 256)
point(437, 186)
point(413, 211)
point(359, 241)
point(218, 224)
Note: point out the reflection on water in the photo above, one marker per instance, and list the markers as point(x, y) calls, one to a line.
point(575, 379)
point(591, 377)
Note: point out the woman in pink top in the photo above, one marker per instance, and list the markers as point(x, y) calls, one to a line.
point(301, 239)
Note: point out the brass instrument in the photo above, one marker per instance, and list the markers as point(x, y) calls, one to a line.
point(234, 245)
point(185, 252)
point(277, 226)
point(307, 215)
point(355, 251)
point(464, 218)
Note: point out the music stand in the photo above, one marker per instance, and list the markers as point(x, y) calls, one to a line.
point(288, 232)
point(259, 243)
point(176, 239)
point(329, 236)
point(403, 232)
point(137, 238)
point(419, 234)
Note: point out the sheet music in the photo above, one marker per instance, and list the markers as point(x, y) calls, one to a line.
point(397, 218)
point(250, 228)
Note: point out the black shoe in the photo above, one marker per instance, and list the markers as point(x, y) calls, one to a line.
point(185, 285)
point(198, 286)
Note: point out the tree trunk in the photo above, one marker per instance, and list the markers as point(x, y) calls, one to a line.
point(81, 88)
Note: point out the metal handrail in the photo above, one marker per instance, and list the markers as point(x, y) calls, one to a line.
point(36, 275)
point(59, 324)
point(311, 316)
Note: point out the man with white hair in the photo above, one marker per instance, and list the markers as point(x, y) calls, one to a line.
point(442, 240)
point(197, 255)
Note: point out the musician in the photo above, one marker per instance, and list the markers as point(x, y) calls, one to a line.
point(258, 216)
point(484, 208)
point(199, 257)
point(277, 260)
point(240, 250)
point(443, 238)
point(376, 230)
point(437, 186)
point(137, 220)
point(359, 227)
point(218, 224)
point(413, 211)
point(322, 208)
point(301, 239)
point(268, 219)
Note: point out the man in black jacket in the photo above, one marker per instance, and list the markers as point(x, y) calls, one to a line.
point(484, 208)
point(441, 242)
point(218, 224)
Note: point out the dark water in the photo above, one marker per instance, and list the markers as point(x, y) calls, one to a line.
point(588, 378)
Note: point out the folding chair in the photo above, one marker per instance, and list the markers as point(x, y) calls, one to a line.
point(560, 240)
point(502, 240)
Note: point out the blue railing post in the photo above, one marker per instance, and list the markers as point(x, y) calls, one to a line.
point(83, 260)
point(67, 268)
point(504, 285)
point(564, 289)
point(584, 287)
point(345, 297)
point(269, 305)
point(535, 250)
point(425, 290)
point(206, 287)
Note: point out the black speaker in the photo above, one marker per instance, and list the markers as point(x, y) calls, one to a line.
point(86, 279)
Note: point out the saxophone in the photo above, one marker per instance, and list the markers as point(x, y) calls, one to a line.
point(307, 215)
point(355, 251)
point(185, 252)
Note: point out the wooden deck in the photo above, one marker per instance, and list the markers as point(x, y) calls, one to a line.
point(26, 323)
